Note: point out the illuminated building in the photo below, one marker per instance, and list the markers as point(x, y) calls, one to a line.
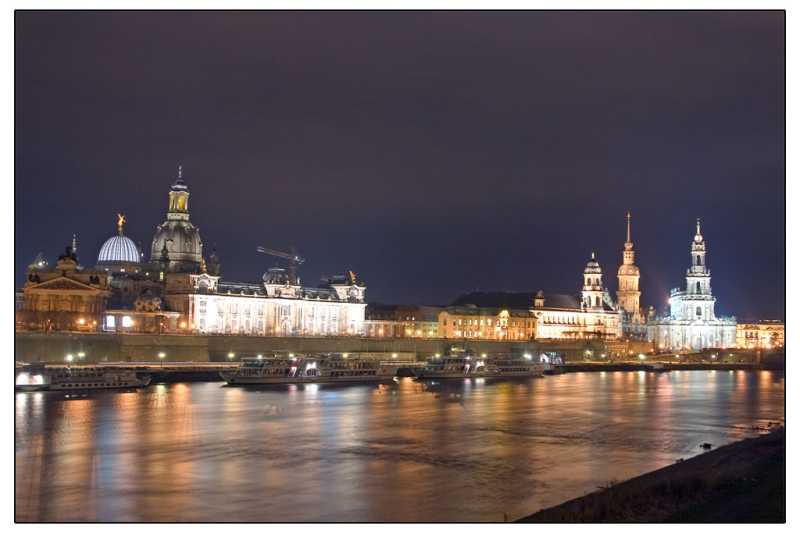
point(278, 306)
point(400, 321)
point(178, 291)
point(524, 316)
point(691, 323)
point(67, 297)
point(489, 323)
point(273, 308)
point(761, 335)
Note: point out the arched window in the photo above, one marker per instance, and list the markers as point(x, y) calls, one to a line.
point(698, 287)
point(698, 260)
point(597, 301)
point(699, 311)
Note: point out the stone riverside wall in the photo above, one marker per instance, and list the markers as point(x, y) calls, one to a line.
point(98, 347)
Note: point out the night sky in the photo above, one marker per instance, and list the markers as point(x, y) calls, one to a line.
point(431, 153)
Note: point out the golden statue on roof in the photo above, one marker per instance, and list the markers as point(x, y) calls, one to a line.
point(120, 222)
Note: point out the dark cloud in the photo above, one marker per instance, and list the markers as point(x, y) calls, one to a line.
point(430, 152)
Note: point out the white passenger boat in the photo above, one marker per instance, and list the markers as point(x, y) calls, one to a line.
point(465, 365)
point(455, 366)
point(38, 377)
point(331, 368)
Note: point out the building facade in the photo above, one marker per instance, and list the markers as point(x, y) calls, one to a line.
point(762, 335)
point(487, 323)
point(527, 316)
point(402, 321)
point(692, 323)
point(67, 297)
point(212, 306)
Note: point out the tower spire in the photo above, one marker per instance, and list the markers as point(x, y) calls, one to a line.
point(74, 243)
point(629, 227)
point(698, 225)
point(180, 171)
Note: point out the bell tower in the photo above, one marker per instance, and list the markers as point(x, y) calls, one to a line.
point(628, 292)
point(698, 276)
point(178, 199)
point(592, 285)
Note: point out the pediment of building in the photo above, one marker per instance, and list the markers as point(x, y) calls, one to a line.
point(64, 283)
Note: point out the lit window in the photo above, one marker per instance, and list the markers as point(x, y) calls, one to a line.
point(110, 321)
point(126, 321)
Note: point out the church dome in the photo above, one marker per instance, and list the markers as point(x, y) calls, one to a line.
point(183, 243)
point(119, 248)
point(176, 234)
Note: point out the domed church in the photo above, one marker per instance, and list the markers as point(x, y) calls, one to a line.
point(176, 238)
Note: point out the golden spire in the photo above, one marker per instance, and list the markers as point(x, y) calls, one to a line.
point(120, 222)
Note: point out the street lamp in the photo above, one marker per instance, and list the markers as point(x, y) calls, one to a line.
point(81, 355)
point(231, 355)
point(69, 358)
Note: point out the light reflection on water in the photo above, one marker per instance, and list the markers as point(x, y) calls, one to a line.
point(460, 450)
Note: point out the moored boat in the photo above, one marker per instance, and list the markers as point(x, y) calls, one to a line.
point(658, 367)
point(78, 378)
point(31, 377)
point(463, 364)
point(330, 368)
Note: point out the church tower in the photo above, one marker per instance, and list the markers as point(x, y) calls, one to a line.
point(177, 235)
point(698, 276)
point(628, 292)
point(697, 302)
point(592, 285)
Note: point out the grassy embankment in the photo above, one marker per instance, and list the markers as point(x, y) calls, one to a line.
point(741, 482)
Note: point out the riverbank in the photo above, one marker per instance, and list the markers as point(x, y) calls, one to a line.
point(631, 366)
point(741, 482)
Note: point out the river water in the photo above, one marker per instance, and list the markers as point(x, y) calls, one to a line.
point(410, 451)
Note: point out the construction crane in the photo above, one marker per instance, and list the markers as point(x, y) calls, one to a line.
point(293, 260)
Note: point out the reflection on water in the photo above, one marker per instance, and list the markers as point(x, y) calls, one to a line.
point(419, 451)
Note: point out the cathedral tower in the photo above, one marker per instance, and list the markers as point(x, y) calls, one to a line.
point(697, 302)
point(628, 292)
point(592, 285)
